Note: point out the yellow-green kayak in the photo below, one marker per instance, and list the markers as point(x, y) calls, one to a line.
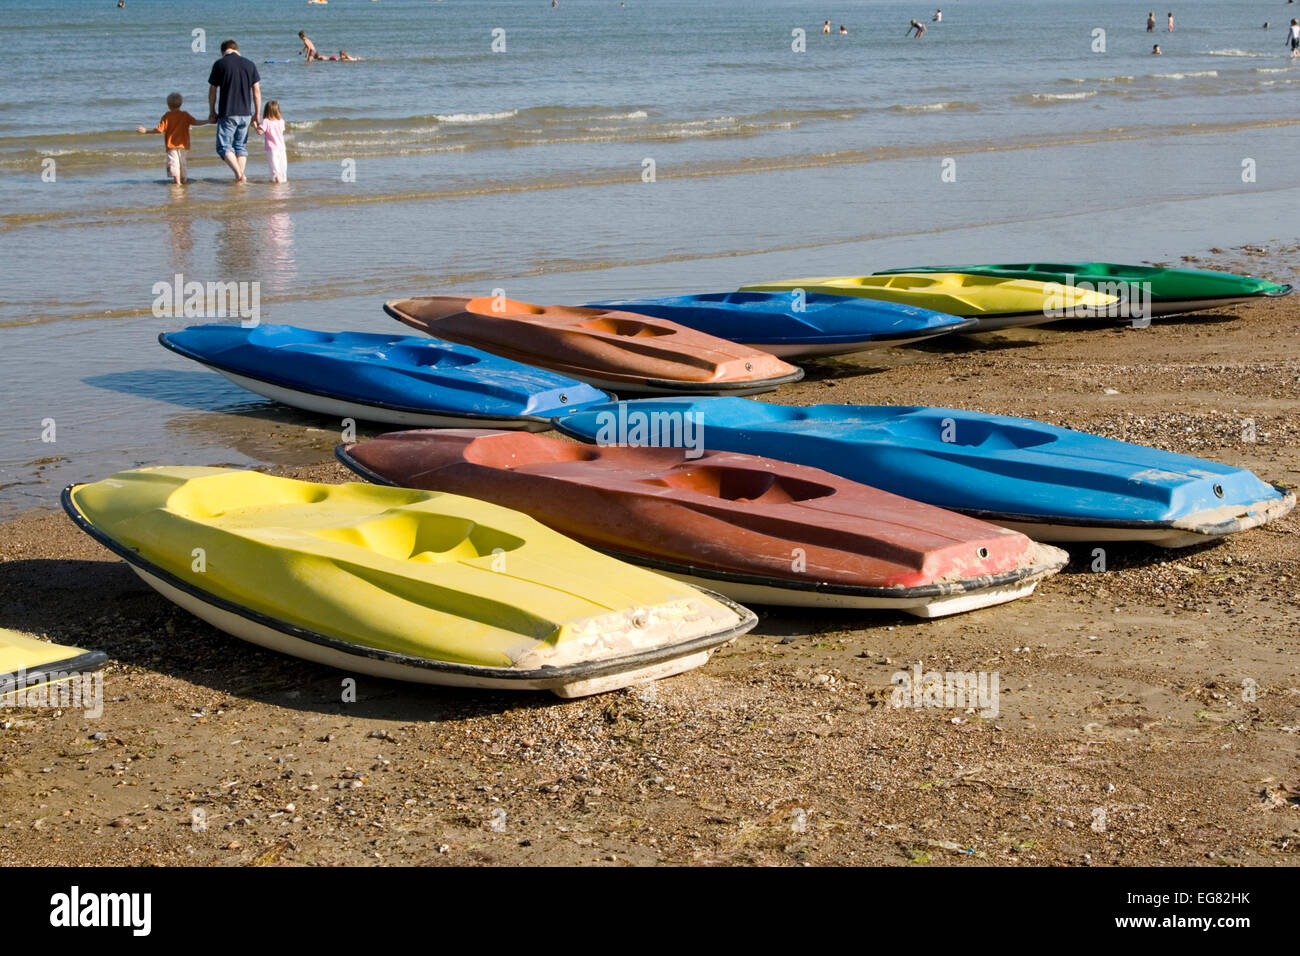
point(412, 585)
point(27, 663)
point(996, 303)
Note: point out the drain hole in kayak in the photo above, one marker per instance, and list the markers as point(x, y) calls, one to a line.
point(1218, 491)
point(983, 552)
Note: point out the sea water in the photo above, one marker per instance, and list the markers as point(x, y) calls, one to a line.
point(567, 154)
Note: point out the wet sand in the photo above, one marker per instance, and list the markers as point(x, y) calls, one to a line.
point(1123, 736)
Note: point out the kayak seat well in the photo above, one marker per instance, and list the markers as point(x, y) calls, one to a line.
point(626, 327)
point(522, 449)
point(971, 433)
point(217, 496)
point(743, 484)
point(430, 538)
point(431, 357)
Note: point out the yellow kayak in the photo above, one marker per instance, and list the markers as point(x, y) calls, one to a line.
point(412, 585)
point(994, 302)
point(27, 663)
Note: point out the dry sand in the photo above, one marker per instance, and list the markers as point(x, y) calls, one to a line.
point(1124, 735)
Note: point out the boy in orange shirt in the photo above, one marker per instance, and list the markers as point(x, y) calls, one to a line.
point(175, 127)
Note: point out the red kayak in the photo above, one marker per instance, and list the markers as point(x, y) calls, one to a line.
point(755, 529)
point(617, 351)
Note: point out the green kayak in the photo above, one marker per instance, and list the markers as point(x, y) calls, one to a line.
point(1170, 291)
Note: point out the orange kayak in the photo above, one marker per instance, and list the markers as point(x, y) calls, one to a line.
point(754, 529)
point(618, 351)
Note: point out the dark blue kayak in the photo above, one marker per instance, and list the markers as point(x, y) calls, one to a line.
point(791, 327)
point(1051, 483)
point(402, 380)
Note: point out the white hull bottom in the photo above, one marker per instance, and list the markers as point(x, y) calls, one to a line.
point(1065, 533)
point(275, 640)
point(342, 408)
point(937, 606)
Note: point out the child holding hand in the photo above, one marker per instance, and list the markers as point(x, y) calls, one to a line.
point(272, 130)
point(175, 128)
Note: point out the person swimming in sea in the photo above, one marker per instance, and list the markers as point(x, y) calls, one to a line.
point(826, 27)
point(937, 16)
point(347, 57)
point(1156, 51)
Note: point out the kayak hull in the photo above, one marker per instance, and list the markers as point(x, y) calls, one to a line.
point(751, 528)
point(320, 649)
point(400, 584)
point(616, 351)
point(27, 663)
point(400, 380)
point(992, 302)
point(806, 326)
point(779, 593)
point(1050, 483)
point(1171, 291)
point(340, 408)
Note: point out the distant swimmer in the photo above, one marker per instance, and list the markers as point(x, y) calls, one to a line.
point(308, 48)
point(919, 27)
point(1171, 23)
point(937, 16)
point(843, 30)
point(826, 27)
point(1265, 26)
point(1293, 38)
point(1156, 51)
point(1151, 22)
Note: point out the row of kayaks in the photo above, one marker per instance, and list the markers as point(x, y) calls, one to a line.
point(497, 558)
point(492, 557)
point(501, 363)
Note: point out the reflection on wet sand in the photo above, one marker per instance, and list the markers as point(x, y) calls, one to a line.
point(180, 222)
point(237, 251)
point(277, 240)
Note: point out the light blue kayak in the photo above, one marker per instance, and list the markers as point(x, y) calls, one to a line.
point(396, 379)
point(1051, 483)
point(800, 325)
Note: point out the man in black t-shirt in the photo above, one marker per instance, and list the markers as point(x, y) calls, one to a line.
point(235, 78)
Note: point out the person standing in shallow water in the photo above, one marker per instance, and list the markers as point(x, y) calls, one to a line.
point(234, 78)
point(1151, 21)
point(1171, 23)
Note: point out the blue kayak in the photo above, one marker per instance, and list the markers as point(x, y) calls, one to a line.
point(779, 323)
point(400, 380)
point(1050, 483)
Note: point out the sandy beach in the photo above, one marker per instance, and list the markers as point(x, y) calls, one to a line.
point(1126, 732)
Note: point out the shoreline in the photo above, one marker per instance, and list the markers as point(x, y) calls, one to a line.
point(1121, 690)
